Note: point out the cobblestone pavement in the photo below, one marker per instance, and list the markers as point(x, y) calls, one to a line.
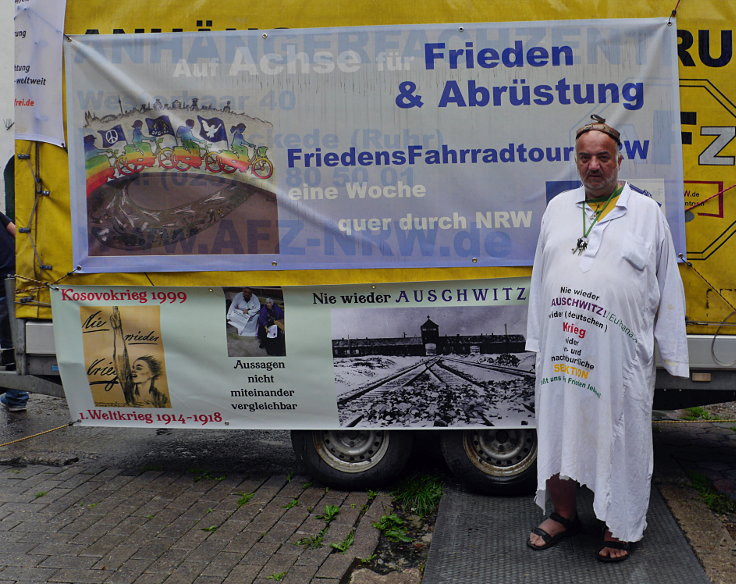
point(140, 506)
point(87, 524)
point(91, 521)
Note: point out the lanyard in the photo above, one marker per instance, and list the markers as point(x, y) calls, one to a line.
point(582, 243)
point(599, 212)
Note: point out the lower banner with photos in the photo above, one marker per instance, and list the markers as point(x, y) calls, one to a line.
point(417, 355)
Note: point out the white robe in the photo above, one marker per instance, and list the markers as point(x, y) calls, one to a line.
point(593, 321)
point(243, 315)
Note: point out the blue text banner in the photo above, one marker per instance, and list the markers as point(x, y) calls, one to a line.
point(355, 147)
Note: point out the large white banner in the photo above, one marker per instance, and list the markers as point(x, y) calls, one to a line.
point(369, 147)
point(39, 30)
point(7, 47)
point(436, 354)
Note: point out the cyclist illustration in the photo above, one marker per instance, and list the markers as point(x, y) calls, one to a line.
point(238, 143)
point(187, 138)
point(239, 157)
point(137, 155)
point(139, 139)
point(90, 148)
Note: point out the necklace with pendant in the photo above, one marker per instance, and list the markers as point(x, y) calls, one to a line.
point(582, 242)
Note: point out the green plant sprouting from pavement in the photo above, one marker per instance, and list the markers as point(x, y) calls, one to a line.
point(420, 494)
point(697, 413)
point(205, 475)
point(277, 576)
point(392, 527)
point(211, 528)
point(345, 544)
point(716, 502)
point(40, 494)
point(315, 541)
point(371, 497)
point(244, 498)
point(329, 514)
point(291, 504)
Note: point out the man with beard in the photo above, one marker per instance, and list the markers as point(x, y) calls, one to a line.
point(605, 286)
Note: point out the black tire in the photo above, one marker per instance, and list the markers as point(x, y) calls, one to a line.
point(353, 459)
point(492, 462)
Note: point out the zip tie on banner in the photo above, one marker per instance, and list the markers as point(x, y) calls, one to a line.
point(64, 277)
point(674, 13)
point(41, 283)
point(719, 193)
point(28, 293)
point(37, 434)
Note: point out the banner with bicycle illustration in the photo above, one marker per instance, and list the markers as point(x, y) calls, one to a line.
point(358, 147)
point(427, 354)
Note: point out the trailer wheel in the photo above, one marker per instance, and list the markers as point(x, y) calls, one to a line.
point(493, 462)
point(352, 459)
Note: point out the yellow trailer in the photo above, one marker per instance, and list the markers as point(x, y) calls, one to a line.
point(495, 460)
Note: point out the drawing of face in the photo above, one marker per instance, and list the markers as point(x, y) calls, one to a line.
point(141, 371)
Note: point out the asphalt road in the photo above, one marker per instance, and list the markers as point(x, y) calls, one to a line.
point(256, 451)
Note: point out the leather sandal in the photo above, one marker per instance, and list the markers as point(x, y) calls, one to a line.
point(616, 545)
point(572, 527)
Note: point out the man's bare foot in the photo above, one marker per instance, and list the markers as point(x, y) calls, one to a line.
point(616, 552)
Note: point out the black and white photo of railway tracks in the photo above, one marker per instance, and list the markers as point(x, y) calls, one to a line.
point(477, 376)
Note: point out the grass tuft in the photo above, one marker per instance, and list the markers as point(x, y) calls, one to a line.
point(420, 494)
point(697, 413)
point(716, 502)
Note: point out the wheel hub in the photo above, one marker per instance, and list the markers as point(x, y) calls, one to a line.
point(351, 450)
point(501, 452)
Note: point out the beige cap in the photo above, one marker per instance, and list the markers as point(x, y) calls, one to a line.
point(600, 125)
